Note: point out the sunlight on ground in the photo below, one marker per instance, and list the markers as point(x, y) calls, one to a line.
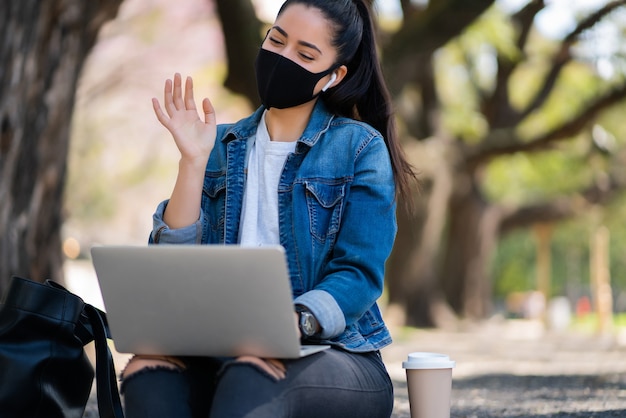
point(80, 278)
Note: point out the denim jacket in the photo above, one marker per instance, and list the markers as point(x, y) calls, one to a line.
point(336, 203)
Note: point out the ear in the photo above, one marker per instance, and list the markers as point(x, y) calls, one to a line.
point(336, 77)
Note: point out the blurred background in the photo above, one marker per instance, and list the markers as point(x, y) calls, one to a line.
point(511, 110)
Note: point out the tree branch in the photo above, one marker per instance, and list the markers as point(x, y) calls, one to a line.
point(407, 8)
point(564, 55)
point(506, 141)
point(497, 107)
point(555, 210)
point(594, 18)
point(422, 33)
point(562, 208)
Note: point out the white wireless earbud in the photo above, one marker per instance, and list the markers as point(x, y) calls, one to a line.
point(333, 77)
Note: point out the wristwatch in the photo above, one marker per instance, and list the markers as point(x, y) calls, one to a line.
point(307, 322)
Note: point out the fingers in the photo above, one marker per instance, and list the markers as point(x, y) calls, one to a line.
point(177, 92)
point(177, 103)
point(159, 113)
point(278, 366)
point(167, 98)
point(209, 112)
point(173, 95)
point(273, 367)
point(189, 101)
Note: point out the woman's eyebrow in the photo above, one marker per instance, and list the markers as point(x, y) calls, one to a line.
point(303, 43)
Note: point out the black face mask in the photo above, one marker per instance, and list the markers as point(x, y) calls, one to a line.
point(282, 83)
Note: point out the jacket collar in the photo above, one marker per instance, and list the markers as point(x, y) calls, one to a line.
point(318, 124)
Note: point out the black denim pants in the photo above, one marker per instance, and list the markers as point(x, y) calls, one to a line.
point(333, 383)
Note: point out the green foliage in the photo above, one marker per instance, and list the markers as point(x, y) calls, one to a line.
point(614, 218)
point(612, 120)
point(465, 69)
point(514, 264)
point(523, 178)
point(577, 85)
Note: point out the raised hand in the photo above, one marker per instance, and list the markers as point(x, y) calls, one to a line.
point(194, 137)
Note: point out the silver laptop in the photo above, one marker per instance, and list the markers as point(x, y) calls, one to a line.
point(199, 300)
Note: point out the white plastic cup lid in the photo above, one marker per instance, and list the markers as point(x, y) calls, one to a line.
point(423, 360)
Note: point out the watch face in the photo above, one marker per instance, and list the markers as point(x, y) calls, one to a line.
point(306, 322)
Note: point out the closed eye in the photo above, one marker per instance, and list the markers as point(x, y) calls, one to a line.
point(276, 41)
point(306, 57)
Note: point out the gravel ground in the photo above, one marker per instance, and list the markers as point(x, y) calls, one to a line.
point(513, 369)
point(516, 369)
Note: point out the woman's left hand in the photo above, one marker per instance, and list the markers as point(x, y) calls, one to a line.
point(194, 136)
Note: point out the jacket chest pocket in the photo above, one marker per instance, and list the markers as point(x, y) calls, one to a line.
point(325, 205)
point(214, 201)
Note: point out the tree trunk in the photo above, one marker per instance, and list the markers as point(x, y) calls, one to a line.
point(43, 47)
point(472, 235)
point(242, 35)
point(413, 268)
point(401, 279)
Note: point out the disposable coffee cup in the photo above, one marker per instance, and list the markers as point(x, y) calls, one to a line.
point(429, 382)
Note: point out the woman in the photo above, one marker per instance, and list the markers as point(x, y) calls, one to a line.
point(316, 170)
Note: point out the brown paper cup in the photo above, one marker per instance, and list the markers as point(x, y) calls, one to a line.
point(429, 382)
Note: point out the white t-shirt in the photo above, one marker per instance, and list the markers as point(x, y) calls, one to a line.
point(259, 215)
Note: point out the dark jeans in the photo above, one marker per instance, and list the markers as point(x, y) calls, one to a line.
point(333, 383)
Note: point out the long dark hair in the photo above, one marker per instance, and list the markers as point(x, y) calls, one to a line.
point(363, 93)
